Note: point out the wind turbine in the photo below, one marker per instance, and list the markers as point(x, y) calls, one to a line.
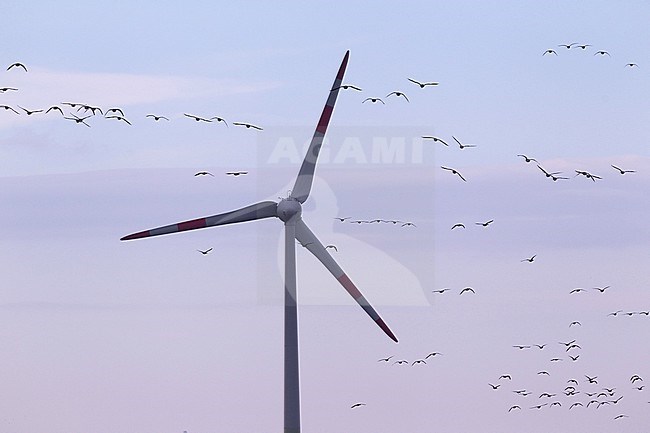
point(289, 210)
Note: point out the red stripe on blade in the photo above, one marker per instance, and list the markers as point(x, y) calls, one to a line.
point(324, 119)
point(191, 225)
point(138, 235)
point(349, 286)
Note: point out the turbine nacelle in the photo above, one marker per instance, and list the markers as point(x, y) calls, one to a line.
point(289, 208)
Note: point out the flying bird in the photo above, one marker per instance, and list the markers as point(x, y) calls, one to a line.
point(115, 110)
point(530, 259)
point(6, 107)
point(457, 225)
point(400, 362)
point(423, 85)
point(346, 87)
point(78, 119)
point(540, 346)
point(342, 219)
point(588, 175)
point(454, 171)
point(568, 46)
point(5, 89)
point(620, 170)
point(373, 100)
point(549, 51)
point(526, 158)
point(197, 118)
point(467, 289)
point(203, 173)
point(602, 53)
point(514, 407)
point(431, 137)
point(495, 386)
point(439, 291)
point(592, 379)
point(29, 112)
point(461, 145)
point(631, 65)
point(577, 290)
point(17, 65)
point(55, 108)
point(621, 416)
point(432, 354)
point(156, 118)
point(575, 322)
point(120, 118)
point(574, 358)
point(406, 224)
point(601, 289)
point(236, 173)
point(418, 361)
point(583, 46)
point(332, 247)
point(397, 93)
point(90, 108)
point(521, 346)
point(385, 359)
point(219, 119)
point(357, 405)
point(485, 224)
point(204, 252)
point(505, 376)
point(247, 125)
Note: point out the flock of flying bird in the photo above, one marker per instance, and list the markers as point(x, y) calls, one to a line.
point(577, 393)
point(587, 387)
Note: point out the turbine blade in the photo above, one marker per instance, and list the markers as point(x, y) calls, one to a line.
point(307, 238)
point(255, 211)
point(302, 187)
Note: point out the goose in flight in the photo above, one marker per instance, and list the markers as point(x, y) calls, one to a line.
point(197, 118)
point(423, 85)
point(431, 137)
point(247, 125)
point(29, 112)
point(568, 46)
point(467, 289)
point(373, 100)
point(418, 361)
point(17, 65)
point(530, 259)
point(346, 87)
point(219, 119)
point(156, 118)
point(440, 290)
point(55, 108)
point(78, 119)
point(549, 51)
point(6, 107)
point(454, 171)
point(601, 53)
point(205, 252)
point(526, 158)
point(457, 225)
point(120, 118)
point(398, 93)
point(620, 170)
point(485, 224)
point(461, 145)
point(432, 354)
point(385, 359)
point(203, 173)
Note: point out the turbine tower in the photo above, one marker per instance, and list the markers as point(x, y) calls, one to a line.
point(289, 210)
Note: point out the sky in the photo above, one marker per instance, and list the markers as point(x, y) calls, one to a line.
point(151, 336)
